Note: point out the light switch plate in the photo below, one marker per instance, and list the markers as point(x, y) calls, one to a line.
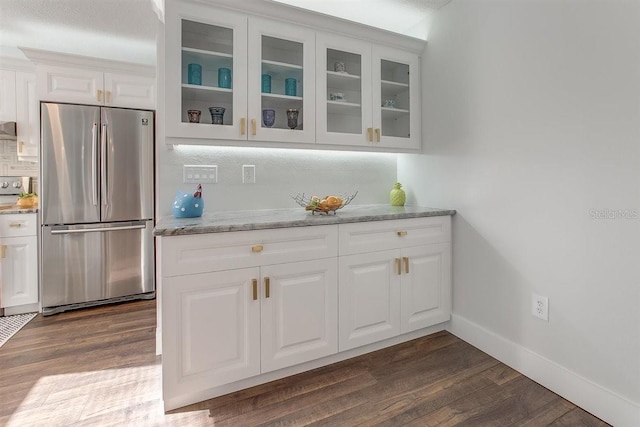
point(200, 174)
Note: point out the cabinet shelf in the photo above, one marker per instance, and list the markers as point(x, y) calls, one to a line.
point(392, 113)
point(339, 107)
point(343, 81)
point(278, 102)
point(206, 52)
point(281, 70)
point(206, 93)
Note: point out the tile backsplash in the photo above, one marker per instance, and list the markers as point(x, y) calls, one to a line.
point(9, 163)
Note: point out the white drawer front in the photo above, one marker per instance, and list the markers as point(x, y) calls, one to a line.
point(374, 236)
point(16, 225)
point(224, 251)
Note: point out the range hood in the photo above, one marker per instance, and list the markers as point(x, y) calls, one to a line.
point(8, 131)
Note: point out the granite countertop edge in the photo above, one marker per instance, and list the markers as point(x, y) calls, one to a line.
point(221, 222)
point(17, 210)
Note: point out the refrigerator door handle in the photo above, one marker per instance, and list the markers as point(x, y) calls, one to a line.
point(105, 186)
point(89, 230)
point(94, 163)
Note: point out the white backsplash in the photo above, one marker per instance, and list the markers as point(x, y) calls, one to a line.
point(279, 174)
point(9, 163)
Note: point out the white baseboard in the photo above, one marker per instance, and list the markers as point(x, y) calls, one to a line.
point(601, 402)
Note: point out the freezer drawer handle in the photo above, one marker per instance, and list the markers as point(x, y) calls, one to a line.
point(88, 230)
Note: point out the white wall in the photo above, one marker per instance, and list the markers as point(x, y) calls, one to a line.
point(532, 130)
point(279, 174)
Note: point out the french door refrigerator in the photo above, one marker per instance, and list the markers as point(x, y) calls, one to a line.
point(96, 205)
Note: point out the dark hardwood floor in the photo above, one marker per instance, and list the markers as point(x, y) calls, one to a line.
point(98, 367)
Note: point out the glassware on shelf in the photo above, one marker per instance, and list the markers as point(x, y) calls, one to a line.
point(224, 78)
point(389, 103)
point(269, 117)
point(339, 67)
point(290, 87)
point(292, 117)
point(194, 74)
point(266, 83)
point(217, 115)
point(194, 116)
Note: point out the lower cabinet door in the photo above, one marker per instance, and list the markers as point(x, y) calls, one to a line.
point(19, 271)
point(369, 298)
point(210, 330)
point(426, 286)
point(299, 312)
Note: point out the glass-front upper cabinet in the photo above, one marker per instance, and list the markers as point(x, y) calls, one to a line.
point(396, 99)
point(343, 90)
point(281, 82)
point(206, 71)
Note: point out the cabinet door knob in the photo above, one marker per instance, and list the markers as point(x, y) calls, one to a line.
point(267, 287)
point(99, 95)
point(254, 283)
point(406, 264)
point(253, 126)
point(20, 146)
point(15, 225)
point(378, 134)
point(3, 251)
point(107, 96)
point(257, 248)
point(243, 126)
point(398, 266)
point(370, 134)
point(402, 233)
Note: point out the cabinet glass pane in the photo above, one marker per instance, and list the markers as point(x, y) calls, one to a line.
point(207, 70)
point(395, 93)
point(344, 92)
point(282, 83)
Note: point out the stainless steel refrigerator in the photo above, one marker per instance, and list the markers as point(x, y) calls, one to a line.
point(96, 205)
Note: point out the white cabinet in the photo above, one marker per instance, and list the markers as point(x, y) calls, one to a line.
point(7, 96)
point(299, 312)
point(391, 282)
point(374, 103)
point(202, 45)
point(211, 329)
point(18, 260)
point(245, 308)
point(90, 86)
point(367, 95)
point(27, 116)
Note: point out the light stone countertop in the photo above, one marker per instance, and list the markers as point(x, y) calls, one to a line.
point(219, 222)
point(17, 210)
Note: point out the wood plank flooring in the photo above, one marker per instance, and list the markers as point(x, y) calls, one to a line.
point(98, 367)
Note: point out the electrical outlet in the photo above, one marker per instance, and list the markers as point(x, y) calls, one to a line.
point(540, 307)
point(248, 174)
point(200, 174)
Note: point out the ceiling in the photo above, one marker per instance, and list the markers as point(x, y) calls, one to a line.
point(125, 29)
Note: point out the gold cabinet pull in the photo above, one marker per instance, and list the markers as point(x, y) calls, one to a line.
point(398, 266)
point(267, 287)
point(253, 126)
point(370, 134)
point(15, 225)
point(406, 264)
point(3, 251)
point(99, 95)
point(107, 96)
point(402, 233)
point(254, 283)
point(243, 126)
point(378, 134)
point(20, 146)
point(257, 248)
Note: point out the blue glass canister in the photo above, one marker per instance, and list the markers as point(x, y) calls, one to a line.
point(266, 83)
point(194, 74)
point(290, 86)
point(224, 78)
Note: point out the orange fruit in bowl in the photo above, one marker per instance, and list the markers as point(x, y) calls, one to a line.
point(334, 202)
